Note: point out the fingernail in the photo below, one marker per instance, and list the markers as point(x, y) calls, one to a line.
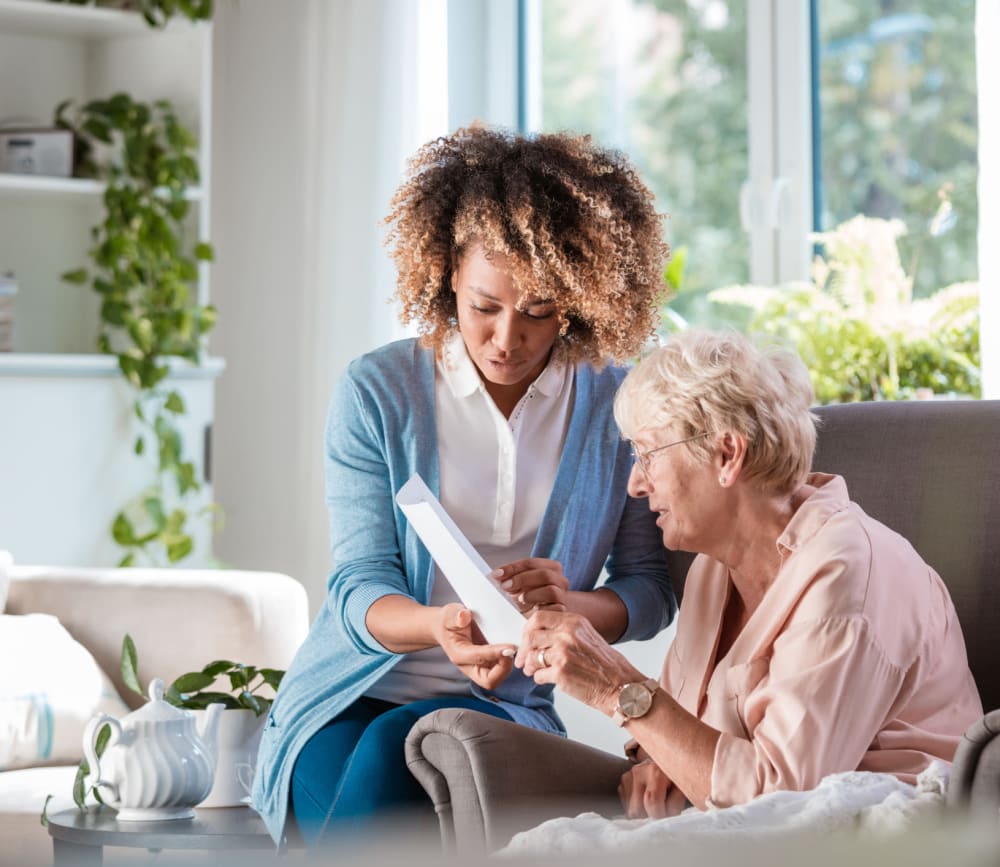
point(507, 652)
point(507, 584)
point(520, 599)
point(496, 573)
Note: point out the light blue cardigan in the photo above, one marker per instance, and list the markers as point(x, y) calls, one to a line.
point(380, 430)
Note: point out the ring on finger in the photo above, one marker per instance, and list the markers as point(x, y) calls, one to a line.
point(541, 659)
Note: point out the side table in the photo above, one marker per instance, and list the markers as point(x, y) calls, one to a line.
point(79, 836)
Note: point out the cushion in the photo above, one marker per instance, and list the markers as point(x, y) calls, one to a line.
point(5, 563)
point(25, 790)
point(50, 687)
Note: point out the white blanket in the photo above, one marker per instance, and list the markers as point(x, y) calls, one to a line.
point(875, 803)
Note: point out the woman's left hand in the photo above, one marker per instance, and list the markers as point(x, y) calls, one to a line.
point(534, 583)
point(565, 649)
point(645, 792)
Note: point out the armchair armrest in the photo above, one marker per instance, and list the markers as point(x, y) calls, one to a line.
point(974, 783)
point(490, 778)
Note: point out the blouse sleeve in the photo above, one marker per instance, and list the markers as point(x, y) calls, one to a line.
point(364, 544)
point(813, 709)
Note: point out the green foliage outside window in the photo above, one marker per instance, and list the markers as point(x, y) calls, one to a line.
point(858, 327)
point(666, 81)
point(899, 122)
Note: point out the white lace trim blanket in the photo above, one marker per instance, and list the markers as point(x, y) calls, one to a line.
point(874, 803)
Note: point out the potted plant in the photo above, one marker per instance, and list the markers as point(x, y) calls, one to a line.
point(239, 727)
point(246, 692)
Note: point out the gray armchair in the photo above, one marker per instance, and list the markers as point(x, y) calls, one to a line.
point(930, 470)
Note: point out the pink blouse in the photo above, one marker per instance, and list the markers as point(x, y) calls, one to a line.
point(853, 660)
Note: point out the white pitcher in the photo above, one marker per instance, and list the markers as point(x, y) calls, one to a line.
point(157, 765)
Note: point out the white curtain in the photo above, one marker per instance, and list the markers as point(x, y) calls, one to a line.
point(988, 73)
point(317, 105)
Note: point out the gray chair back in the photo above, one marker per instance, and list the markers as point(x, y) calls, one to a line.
point(930, 470)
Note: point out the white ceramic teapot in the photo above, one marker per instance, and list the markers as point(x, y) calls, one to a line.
point(156, 765)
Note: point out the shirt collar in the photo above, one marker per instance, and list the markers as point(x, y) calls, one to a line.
point(829, 498)
point(463, 379)
point(457, 368)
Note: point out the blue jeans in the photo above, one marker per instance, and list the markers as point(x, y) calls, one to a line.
point(355, 766)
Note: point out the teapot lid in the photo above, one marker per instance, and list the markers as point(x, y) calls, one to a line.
point(157, 709)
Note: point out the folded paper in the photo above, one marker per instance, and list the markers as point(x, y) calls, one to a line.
point(468, 573)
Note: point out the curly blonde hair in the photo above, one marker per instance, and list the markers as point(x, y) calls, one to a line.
point(717, 382)
point(574, 221)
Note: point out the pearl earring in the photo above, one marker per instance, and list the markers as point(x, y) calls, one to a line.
point(722, 481)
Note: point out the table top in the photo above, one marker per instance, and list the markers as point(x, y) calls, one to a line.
point(211, 828)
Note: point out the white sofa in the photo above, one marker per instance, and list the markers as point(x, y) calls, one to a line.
point(180, 619)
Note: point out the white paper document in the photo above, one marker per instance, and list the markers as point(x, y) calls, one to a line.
point(494, 611)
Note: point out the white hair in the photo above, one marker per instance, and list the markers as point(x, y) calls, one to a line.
point(718, 382)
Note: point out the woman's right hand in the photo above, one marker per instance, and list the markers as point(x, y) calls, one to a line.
point(485, 664)
point(648, 793)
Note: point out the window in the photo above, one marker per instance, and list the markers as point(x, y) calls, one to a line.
point(898, 125)
point(667, 83)
point(758, 121)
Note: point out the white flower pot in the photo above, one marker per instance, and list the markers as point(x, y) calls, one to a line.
point(237, 741)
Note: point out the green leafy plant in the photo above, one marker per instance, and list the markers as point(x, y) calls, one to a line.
point(156, 12)
point(143, 272)
point(195, 690)
point(857, 326)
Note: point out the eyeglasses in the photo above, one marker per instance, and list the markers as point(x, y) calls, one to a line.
point(642, 458)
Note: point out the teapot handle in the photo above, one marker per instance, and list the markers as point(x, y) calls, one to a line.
point(90, 749)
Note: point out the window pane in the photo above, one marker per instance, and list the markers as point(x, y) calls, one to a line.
point(899, 127)
point(666, 82)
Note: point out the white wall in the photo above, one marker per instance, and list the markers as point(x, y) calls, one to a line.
point(313, 120)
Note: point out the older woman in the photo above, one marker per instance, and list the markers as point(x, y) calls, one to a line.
point(811, 638)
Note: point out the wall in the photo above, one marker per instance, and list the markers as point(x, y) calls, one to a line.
point(314, 114)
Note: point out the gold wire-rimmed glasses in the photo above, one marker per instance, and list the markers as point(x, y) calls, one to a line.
point(642, 458)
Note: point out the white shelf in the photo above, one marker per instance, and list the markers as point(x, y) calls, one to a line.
point(72, 365)
point(43, 18)
point(67, 426)
point(31, 185)
point(62, 188)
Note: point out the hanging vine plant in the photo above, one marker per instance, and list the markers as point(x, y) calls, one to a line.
point(144, 272)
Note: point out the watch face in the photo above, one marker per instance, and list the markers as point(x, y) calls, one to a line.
point(634, 700)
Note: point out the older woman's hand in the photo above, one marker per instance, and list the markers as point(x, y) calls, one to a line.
point(565, 649)
point(648, 793)
point(534, 583)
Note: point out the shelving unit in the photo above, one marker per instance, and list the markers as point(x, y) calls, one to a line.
point(65, 414)
point(50, 52)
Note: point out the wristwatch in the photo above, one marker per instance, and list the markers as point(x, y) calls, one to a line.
point(634, 700)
